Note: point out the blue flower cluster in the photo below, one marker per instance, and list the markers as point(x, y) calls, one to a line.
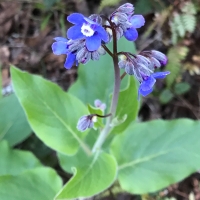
point(126, 23)
point(88, 37)
point(142, 66)
point(85, 39)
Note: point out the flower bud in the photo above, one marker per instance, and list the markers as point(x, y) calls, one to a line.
point(99, 104)
point(162, 58)
point(85, 122)
point(126, 8)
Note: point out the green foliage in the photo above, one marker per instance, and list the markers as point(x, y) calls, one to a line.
point(156, 154)
point(22, 176)
point(45, 21)
point(128, 105)
point(183, 22)
point(49, 3)
point(181, 88)
point(175, 56)
point(105, 3)
point(100, 170)
point(14, 162)
point(13, 123)
point(95, 80)
point(40, 184)
point(93, 110)
point(80, 158)
point(52, 113)
point(166, 96)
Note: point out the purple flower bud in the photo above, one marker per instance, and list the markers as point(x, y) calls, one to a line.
point(99, 104)
point(154, 63)
point(126, 8)
point(143, 60)
point(162, 58)
point(129, 69)
point(85, 122)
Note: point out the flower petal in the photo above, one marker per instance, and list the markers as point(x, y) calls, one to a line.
point(74, 32)
point(62, 39)
point(160, 74)
point(102, 33)
point(59, 48)
point(93, 42)
point(148, 84)
point(137, 21)
point(144, 92)
point(131, 34)
point(70, 60)
point(76, 18)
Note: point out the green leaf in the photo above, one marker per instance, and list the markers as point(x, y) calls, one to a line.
point(155, 154)
point(38, 184)
point(166, 96)
point(96, 78)
point(181, 88)
point(90, 179)
point(105, 3)
point(189, 22)
point(98, 111)
point(13, 123)
point(49, 3)
point(69, 162)
point(175, 56)
point(80, 158)
point(45, 21)
point(52, 113)
point(128, 105)
point(14, 162)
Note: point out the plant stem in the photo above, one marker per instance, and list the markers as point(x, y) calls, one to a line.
point(104, 133)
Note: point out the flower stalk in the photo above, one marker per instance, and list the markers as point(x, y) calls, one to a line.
point(104, 133)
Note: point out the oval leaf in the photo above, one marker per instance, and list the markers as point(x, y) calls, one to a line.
point(39, 184)
point(155, 154)
point(52, 113)
point(13, 123)
point(14, 162)
point(100, 170)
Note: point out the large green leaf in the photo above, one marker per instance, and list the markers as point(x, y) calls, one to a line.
point(96, 79)
point(37, 184)
point(128, 105)
point(156, 154)
point(13, 162)
point(94, 177)
point(52, 113)
point(80, 158)
point(69, 162)
point(13, 123)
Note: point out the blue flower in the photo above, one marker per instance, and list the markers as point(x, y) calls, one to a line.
point(146, 87)
point(136, 21)
point(85, 28)
point(61, 47)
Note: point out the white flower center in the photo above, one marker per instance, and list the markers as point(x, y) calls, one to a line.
point(86, 30)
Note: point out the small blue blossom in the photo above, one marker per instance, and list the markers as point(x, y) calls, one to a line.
point(137, 21)
point(146, 87)
point(61, 47)
point(88, 29)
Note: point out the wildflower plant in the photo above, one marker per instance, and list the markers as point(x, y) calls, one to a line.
point(93, 128)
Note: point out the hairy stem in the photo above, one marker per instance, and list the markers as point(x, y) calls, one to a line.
point(104, 133)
